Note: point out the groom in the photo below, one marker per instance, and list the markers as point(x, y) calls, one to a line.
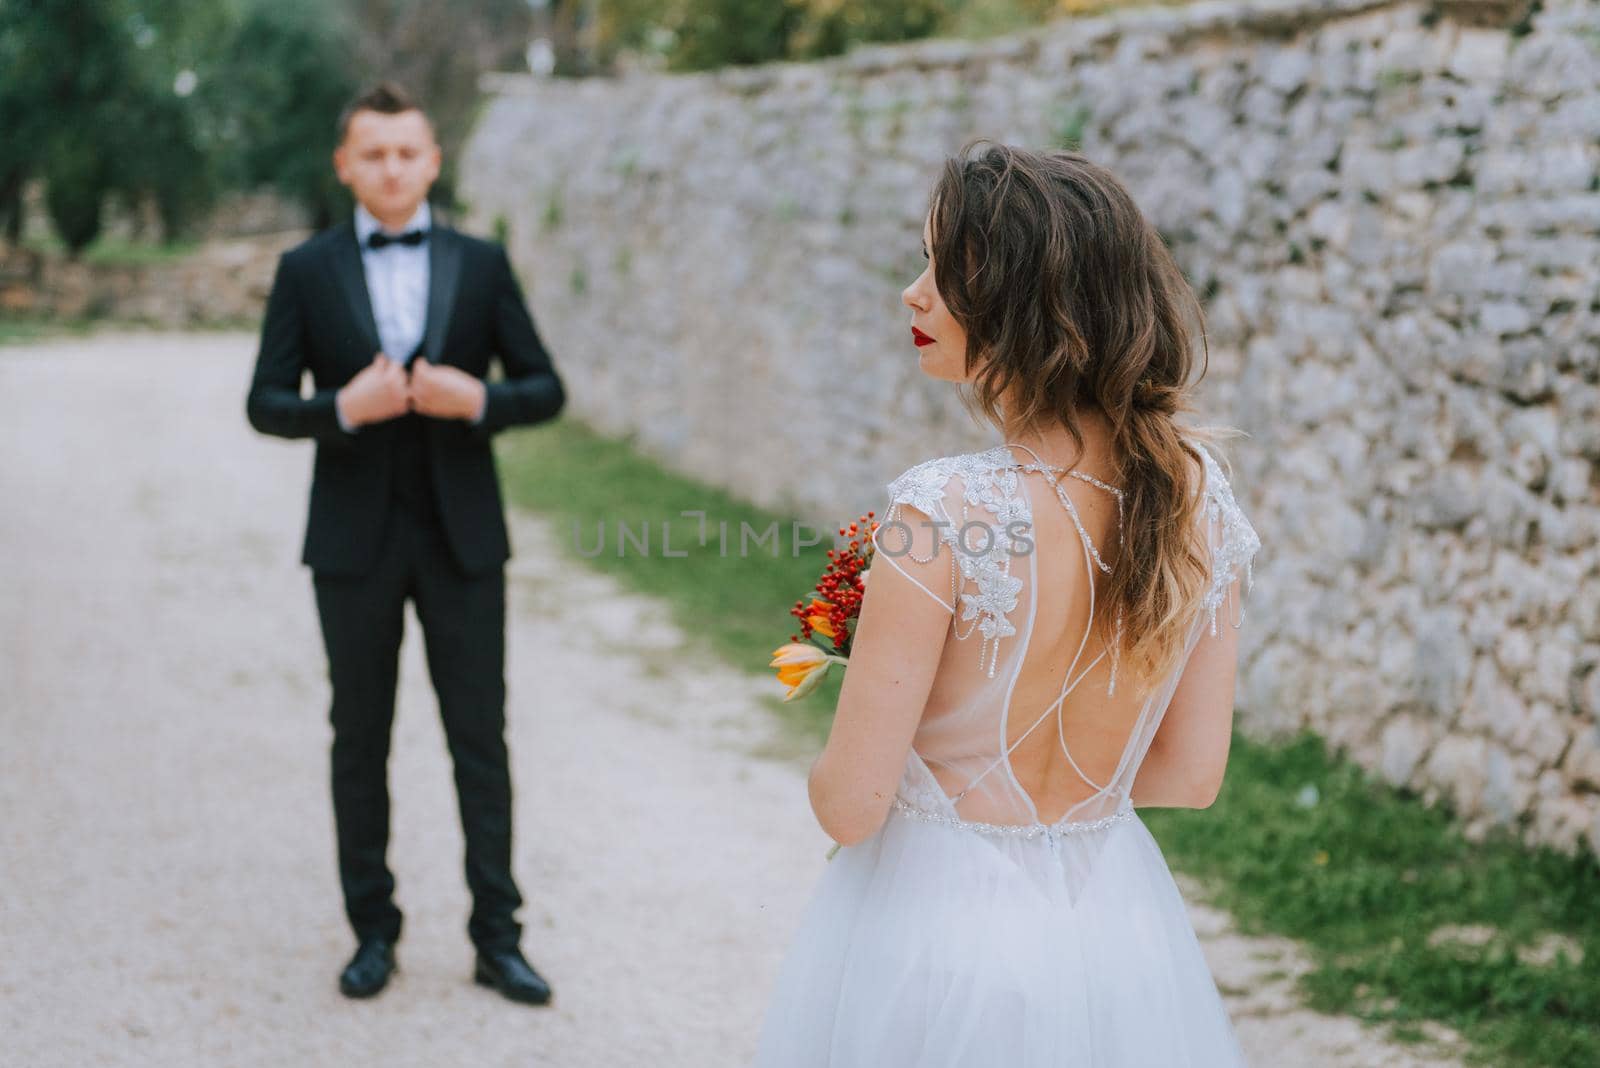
point(396, 319)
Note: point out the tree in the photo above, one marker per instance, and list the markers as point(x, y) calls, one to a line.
point(77, 180)
point(63, 61)
point(832, 26)
point(272, 98)
point(274, 91)
point(718, 32)
point(88, 106)
point(23, 92)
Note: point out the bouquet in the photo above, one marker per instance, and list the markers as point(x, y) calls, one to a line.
point(830, 611)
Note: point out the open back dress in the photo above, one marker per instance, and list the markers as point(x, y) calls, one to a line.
point(1013, 911)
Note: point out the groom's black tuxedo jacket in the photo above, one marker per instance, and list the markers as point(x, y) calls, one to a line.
point(319, 319)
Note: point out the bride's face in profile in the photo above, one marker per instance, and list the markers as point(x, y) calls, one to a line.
point(940, 340)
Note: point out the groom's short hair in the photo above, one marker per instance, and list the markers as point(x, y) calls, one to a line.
point(386, 98)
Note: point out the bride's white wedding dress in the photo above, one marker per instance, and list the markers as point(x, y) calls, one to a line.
point(969, 931)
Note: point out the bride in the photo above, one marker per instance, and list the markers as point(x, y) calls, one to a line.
point(1048, 642)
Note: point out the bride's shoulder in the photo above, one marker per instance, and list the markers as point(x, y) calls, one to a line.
point(925, 484)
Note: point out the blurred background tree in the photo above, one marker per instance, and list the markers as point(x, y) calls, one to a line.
point(165, 104)
point(713, 33)
point(275, 90)
point(832, 26)
point(88, 107)
point(704, 34)
point(270, 96)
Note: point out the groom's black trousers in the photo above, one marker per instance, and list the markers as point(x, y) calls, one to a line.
point(463, 625)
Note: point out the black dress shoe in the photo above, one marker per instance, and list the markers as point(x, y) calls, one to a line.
point(508, 972)
point(369, 970)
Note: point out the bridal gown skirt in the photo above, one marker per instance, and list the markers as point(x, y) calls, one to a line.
point(931, 945)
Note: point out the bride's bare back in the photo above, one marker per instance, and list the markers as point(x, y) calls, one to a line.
point(1029, 719)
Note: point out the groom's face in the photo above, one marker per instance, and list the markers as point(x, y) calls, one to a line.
point(389, 162)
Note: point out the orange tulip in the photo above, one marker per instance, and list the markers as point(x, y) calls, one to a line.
point(801, 668)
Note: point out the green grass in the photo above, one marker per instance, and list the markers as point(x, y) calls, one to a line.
point(1305, 844)
point(733, 606)
point(990, 18)
point(117, 252)
point(21, 329)
point(1299, 843)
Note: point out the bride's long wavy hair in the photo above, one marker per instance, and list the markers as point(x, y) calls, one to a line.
point(1071, 301)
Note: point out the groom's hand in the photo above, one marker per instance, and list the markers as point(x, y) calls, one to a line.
point(445, 392)
point(377, 393)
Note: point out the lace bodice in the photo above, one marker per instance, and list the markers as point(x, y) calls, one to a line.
point(984, 569)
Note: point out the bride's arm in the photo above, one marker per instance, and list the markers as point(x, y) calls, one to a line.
point(1189, 753)
point(895, 654)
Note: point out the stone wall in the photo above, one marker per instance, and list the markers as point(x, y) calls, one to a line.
point(223, 283)
point(1392, 212)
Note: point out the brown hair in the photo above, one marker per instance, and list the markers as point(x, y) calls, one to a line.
point(386, 98)
point(1072, 301)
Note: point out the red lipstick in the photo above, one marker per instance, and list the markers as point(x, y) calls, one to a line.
point(920, 338)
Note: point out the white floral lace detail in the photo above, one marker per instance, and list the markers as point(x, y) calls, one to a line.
point(992, 482)
point(1235, 541)
point(991, 479)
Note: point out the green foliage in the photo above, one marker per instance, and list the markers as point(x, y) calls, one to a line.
point(274, 97)
point(732, 605)
point(88, 105)
point(1391, 79)
point(77, 178)
point(986, 18)
point(182, 100)
point(554, 209)
point(1071, 122)
point(179, 178)
point(831, 29)
point(704, 34)
point(21, 328)
point(1307, 845)
point(168, 101)
point(715, 33)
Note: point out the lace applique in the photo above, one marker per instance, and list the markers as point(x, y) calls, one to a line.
point(992, 483)
point(1235, 541)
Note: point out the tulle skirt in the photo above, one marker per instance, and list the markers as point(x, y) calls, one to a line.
point(936, 946)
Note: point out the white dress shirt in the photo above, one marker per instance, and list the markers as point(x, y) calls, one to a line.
point(397, 282)
point(397, 285)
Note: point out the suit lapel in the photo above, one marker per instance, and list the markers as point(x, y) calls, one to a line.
point(352, 279)
point(444, 275)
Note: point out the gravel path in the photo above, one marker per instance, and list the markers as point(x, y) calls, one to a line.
point(168, 892)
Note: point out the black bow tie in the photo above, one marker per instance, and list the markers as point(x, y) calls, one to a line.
point(378, 239)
